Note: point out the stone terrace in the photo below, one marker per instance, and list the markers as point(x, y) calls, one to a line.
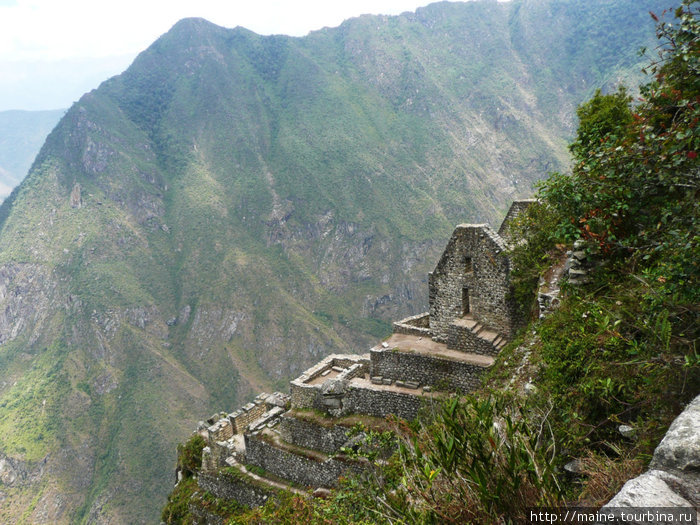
point(295, 442)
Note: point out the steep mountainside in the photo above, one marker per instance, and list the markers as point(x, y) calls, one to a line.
point(234, 207)
point(21, 135)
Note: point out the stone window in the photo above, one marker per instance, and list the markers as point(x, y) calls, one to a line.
point(468, 268)
point(465, 300)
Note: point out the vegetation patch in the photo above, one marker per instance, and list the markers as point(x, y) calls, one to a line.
point(322, 419)
point(177, 510)
point(189, 455)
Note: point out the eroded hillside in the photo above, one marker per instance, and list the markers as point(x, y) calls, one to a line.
point(234, 207)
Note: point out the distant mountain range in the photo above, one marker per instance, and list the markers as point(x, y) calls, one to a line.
point(233, 207)
point(22, 134)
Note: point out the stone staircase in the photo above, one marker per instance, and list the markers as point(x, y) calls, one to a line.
point(468, 335)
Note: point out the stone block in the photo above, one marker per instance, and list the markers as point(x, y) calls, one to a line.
point(652, 489)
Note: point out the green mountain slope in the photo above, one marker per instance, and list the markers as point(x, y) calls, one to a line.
point(21, 135)
point(234, 207)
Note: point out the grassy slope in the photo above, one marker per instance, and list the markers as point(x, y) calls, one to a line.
point(281, 189)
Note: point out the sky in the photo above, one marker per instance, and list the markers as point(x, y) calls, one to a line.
point(53, 51)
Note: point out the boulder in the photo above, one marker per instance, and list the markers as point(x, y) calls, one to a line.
point(680, 448)
point(654, 488)
point(674, 476)
point(321, 493)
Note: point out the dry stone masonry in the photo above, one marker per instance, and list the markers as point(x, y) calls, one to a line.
point(297, 441)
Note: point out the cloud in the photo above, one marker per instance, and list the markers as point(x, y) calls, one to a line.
point(49, 30)
point(53, 51)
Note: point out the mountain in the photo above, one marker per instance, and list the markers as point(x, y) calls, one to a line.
point(234, 207)
point(21, 135)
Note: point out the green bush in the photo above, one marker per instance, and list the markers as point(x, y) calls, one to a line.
point(176, 510)
point(189, 455)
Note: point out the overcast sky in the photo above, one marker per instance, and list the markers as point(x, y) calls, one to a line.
point(52, 51)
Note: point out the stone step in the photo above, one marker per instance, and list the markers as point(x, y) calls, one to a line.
point(483, 332)
point(488, 335)
point(469, 322)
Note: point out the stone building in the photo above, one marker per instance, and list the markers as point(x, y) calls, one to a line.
point(470, 294)
point(302, 437)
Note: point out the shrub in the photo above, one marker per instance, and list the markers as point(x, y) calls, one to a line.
point(479, 461)
point(189, 455)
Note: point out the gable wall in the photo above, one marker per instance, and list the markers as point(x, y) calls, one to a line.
point(488, 283)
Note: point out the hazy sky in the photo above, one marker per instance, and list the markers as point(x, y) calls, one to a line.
point(52, 51)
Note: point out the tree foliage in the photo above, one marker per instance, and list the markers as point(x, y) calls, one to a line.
point(634, 183)
point(625, 348)
point(189, 455)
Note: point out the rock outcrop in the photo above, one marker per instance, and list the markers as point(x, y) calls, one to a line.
point(673, 478)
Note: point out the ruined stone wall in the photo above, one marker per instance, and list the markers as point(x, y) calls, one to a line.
point(426, 370)
point(347, 361)
point(202, 515)
point(516, 208)
point(360, 399)
point(299, 469)
point(227, 484)
point(241, 418)
point(312, 435)
point(473, 271)
point(305, 396)
point(216, 455)
point(219, 431)
point(415, 325)
point(376, 401)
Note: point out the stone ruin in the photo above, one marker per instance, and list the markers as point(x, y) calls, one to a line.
point(296, 442)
